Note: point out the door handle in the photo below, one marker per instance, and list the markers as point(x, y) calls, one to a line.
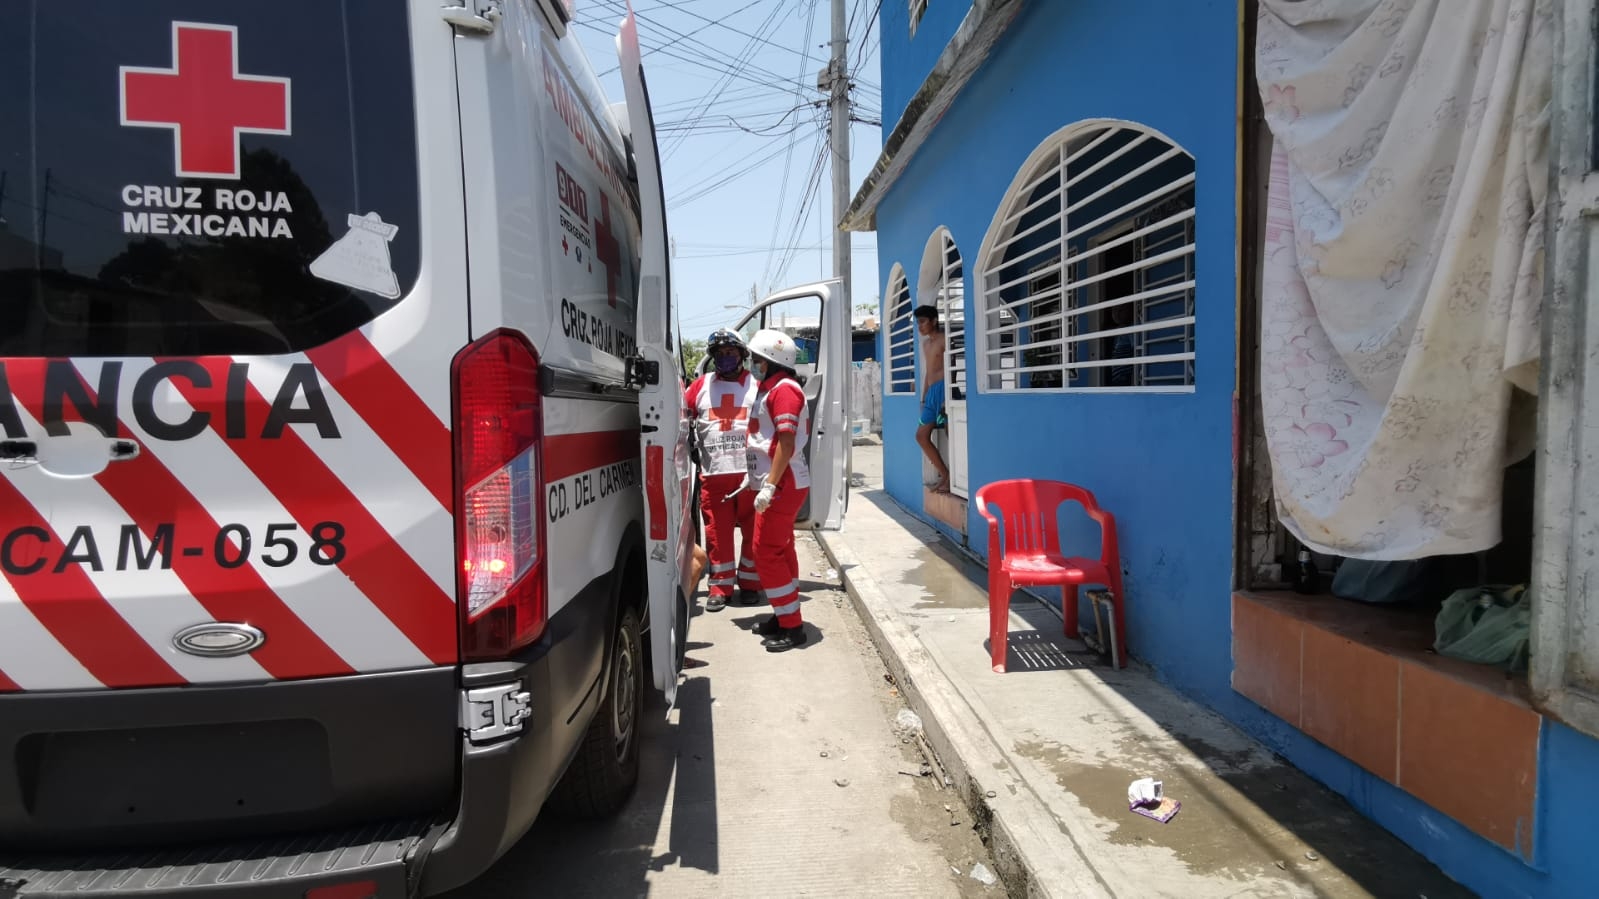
point(13, 449)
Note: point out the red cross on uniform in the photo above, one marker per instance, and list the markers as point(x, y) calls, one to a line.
point(204, 100)
point(606, 248)
point(726, 413)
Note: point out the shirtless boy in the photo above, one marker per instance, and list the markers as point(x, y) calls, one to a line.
point(932, 391)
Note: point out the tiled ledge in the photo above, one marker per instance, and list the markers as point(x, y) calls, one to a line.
point(947, 508)
point(1361, 680)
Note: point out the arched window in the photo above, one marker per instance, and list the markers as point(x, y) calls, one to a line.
point(1087, 272)
point(899, 330)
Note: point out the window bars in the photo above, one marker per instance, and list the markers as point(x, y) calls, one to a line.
point(951, 293)
point(918, 8)
point(1088, 282)
point(899, 374)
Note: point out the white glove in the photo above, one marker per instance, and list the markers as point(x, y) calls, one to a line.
point(763, 500)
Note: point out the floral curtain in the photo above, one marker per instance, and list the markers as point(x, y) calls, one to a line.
point(1403, 265)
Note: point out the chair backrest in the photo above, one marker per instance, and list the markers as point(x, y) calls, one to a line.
point(1029, 508)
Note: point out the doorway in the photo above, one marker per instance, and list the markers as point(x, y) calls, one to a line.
point(943, 280)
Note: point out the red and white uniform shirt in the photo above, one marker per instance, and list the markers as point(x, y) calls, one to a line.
point(780, 409)
point(722, 411)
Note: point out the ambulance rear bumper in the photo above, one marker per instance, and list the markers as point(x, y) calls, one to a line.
point(471, 801)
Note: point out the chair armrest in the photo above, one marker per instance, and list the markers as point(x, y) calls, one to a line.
point(995, 553)
point(1108, 547)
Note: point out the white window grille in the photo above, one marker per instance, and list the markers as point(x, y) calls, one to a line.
point(899, 375)
point(918, 8)
point(1087, 273)
point(951, 293)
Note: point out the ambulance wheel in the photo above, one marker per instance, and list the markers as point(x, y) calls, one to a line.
point(605, 770)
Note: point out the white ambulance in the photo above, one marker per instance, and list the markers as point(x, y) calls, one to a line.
point(345, 498)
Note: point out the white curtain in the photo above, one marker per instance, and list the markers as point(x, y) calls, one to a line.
point(1403, 266)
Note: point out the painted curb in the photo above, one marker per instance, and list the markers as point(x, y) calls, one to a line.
point(1034, 855)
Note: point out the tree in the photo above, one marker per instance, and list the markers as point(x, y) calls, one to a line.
point(693, 354)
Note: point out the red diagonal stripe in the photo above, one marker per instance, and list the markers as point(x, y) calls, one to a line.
point(70, 607)
point(390, 408)
point(151, 495)
point(312, 494)
point(569, 454)
point(7, 685)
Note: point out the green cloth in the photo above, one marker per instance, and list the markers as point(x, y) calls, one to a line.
point(1489, 624)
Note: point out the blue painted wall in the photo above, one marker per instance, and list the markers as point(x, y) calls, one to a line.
point(1162, 463)
point(914, 56)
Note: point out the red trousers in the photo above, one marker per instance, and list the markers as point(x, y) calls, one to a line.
point(775, 556)
point(722, 515)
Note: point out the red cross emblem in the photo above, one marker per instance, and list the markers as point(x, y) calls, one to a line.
point(606, 248)
point(204, 100)
point(725, 413)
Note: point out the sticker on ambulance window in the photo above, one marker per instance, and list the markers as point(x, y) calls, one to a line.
point(204, 178)
point(360, 259)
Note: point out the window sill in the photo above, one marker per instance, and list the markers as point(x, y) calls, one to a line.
point(1361, 680)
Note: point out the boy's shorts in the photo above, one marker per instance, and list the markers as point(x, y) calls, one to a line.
point(933, 404)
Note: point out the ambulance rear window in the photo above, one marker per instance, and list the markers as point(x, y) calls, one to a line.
point(188, 177)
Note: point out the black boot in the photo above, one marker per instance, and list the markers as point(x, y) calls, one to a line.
point(785, 639)
point(769, 627)
point(750, 596)
point(715, 603)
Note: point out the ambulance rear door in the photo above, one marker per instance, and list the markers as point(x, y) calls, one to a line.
point(658, 372)
point(231, 300)
point(231, 286)
point(817, 317)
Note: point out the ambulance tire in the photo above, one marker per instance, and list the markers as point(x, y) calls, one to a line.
point(605, 770)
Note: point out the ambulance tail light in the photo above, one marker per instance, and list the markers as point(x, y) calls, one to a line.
point(500, 583)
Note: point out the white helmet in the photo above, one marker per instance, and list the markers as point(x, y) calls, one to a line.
point(775, 347)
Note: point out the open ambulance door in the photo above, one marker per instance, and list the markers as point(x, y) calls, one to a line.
point(658, 372)
point(817, 317)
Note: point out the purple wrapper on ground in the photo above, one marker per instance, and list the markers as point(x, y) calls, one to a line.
point(1161, 812)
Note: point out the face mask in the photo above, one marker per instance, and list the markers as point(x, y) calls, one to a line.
point(726, 365)
point(759, 367)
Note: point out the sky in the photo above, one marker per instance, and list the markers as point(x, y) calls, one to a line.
point(743, 134)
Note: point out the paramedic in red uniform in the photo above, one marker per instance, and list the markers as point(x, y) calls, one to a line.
point(721, 401)
point(777, 468)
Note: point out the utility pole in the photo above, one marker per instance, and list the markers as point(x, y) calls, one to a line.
point(836, 79)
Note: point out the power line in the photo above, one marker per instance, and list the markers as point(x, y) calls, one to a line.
point(788, 160)
point(721, 180)
point(700, 126)
point(740, 63)
point(812, 190)
point(710, 53)
point(705, 63)
point(750, 252)
point(867, 36)
point(722, 24)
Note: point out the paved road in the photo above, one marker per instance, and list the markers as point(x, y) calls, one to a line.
point(776, 775)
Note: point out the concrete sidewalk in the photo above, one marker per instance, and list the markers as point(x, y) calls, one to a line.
point(1043, 754)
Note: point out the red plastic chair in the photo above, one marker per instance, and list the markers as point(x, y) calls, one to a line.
point(1031, 556)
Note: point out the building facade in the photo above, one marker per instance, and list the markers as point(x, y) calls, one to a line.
point(1081, 189)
